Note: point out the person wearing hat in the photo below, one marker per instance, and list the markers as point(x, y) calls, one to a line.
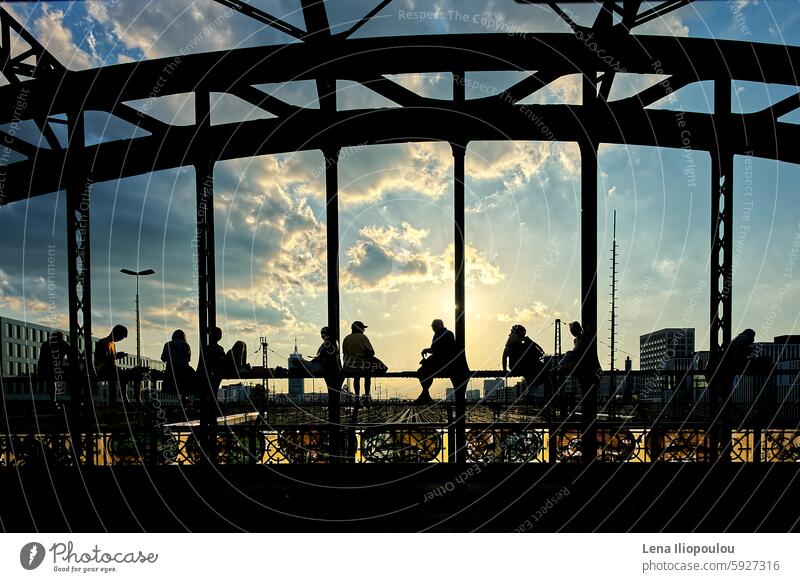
point(358, 355)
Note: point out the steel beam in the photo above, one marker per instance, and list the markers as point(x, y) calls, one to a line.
point(206, 271)
point(79, 281)
point(588, 149)
point(700, 59)
point(721, 273)
point(320, 129)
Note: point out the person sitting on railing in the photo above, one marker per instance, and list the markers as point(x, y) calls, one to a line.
point(236, 359)
point(443, 359)
point(52, 366)
point(210, 373)
point(578, 360)
point(179, 377)
point(359, 359)
point(326, 364)
point(522, 355)
point(105, 363)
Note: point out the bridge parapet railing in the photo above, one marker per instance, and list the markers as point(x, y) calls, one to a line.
point(398, 443)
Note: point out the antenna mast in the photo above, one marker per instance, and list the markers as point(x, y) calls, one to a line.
point(613, 305)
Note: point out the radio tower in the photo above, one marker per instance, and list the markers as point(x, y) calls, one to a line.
point(613, 385)
point(557, 346)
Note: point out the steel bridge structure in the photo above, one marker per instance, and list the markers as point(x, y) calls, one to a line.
point(41, 90)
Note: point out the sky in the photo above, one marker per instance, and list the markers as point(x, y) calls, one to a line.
point(522, 198)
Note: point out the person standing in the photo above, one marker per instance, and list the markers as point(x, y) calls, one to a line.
point(209, 377)
point(52, 365)
point(179, 376)
point(105, 364)
point(358, 355)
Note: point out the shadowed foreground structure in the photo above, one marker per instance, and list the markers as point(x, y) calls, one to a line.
point(502, 498)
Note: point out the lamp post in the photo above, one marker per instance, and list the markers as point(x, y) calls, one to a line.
point(138, 274)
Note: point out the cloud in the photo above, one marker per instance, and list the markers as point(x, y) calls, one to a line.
point(423, 168)
point(536, 311)
point(57, 38)
point(386, 258)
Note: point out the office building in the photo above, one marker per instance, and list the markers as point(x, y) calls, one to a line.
point(297, 386)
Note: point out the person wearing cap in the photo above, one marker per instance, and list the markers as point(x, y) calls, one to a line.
point(358, 355)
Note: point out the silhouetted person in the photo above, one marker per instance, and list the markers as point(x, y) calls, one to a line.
point(179, 376)
point(52, 366)
point(735, 359)
point(443, 359)
point(105, 363)
point(236, 359)
point(522, 356)
point(326, 364)
point(212, 363)
point(210, 373)
point(578, 360)
point(582, 362)
point(359, 358)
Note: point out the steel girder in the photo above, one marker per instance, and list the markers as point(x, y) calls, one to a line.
point(501, 117)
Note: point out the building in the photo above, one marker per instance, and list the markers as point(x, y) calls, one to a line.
point(667, 350)
point(492, 388)
point(297, 386)
point(20, 342)
point(449, 394)
point(473, 395)
point(670, 348)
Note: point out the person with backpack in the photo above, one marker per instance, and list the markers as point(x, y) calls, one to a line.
point(522, 356)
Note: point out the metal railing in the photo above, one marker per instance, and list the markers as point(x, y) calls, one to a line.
point(402, 443)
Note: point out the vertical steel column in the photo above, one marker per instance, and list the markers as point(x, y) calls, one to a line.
point(459, 391)
point(331, 160)
point(332, 236)
point(79, 185)
point(588, 147)
point(721, 307)
point(206, 270)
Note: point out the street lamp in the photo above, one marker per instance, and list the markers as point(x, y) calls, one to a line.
point(138, 274)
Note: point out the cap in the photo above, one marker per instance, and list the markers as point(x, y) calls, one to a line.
point(358, 325)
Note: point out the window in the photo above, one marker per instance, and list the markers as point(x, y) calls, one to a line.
point(10, 349)
point(16, 331)
point(19, 350)
point(8, 330)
